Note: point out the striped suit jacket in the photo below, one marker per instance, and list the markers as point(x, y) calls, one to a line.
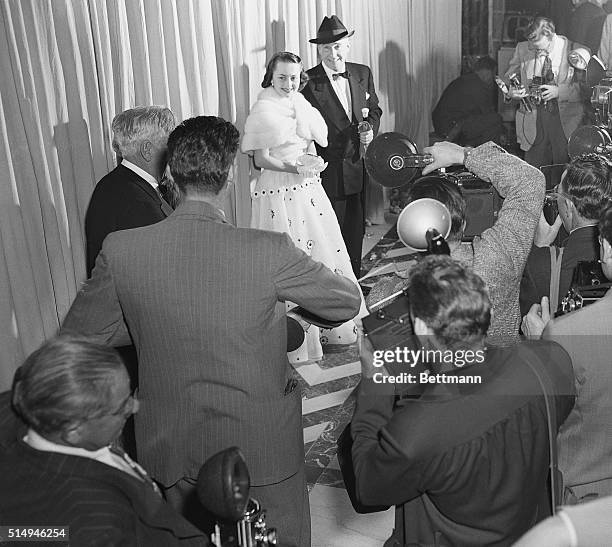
point(101, 505)
point(201, 300)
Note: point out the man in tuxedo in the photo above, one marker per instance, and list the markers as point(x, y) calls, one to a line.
point(204, 303)
point(129, 195)
point(74, 397)
point(340, 91)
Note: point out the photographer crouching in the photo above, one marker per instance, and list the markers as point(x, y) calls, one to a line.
point(467, 462)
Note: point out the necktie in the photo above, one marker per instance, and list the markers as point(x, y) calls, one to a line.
point(548, 75)
point(133, 468)
point(344, 74)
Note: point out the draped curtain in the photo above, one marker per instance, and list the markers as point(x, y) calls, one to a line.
point(68, 66)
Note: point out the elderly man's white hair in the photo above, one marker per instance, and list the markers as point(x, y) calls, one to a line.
point(133, 126)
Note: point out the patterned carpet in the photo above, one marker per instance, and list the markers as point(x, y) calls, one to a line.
point(328, 385)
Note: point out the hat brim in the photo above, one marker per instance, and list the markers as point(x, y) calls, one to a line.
point(332, 39)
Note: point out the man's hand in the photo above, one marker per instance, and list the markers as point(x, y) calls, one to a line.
point(366, 137)
point(545, 233)
point(517, 92)
point(444, 154)
point(366, 356)
point(549, 92)
point(537, 318)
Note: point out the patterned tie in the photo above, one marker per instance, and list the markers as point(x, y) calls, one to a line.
point(548, 75)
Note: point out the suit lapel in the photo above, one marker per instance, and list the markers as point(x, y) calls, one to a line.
point(358, 92)
point(331, 107)
point(165, 207)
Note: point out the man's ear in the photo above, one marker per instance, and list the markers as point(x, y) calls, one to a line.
point(146, 150)
point(606, 250)
point(420, 328)
point(72, 435)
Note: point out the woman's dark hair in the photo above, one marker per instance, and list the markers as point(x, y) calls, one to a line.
point(283, 57)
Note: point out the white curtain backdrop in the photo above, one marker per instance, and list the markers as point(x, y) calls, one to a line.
point(68, 66)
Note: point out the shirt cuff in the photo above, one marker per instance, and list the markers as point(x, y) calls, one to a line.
point(569, 526)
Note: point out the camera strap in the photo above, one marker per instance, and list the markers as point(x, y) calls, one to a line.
point(555, 277)
point(551, 417)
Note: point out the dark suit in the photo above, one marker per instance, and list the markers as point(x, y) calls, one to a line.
point(345, 178)
point(465, 465)
point(200, 297)
point(102, 505)
point(581, 245)
point(121, 200)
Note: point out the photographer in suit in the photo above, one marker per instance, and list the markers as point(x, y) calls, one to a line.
point(339, 90)
point(585, 440)
point(204, 302)
point(467, 462)
point(582, 196)
point(542, 66)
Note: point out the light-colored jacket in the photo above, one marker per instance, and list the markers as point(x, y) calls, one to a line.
point(571, 107)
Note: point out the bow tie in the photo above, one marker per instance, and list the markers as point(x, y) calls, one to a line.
point(344, 74)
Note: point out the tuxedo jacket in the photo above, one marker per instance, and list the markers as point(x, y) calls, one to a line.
point(101, 505)
point(201, 300)
point(121, 200)
point(581, 245)
point(585, 439)
point(345, 174)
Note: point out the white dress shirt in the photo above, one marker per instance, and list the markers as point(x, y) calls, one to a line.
point(102, 455)
point(342, 89)
point(141, 173)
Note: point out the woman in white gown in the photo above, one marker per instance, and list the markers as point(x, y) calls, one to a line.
point(288, 196)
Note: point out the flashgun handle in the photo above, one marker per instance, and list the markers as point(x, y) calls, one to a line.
point(516, 83)
point(436, 244)
point(417, 160)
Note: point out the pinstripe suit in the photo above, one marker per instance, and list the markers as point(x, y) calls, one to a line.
point(585, 439)
point(102, 505)
point(200, 299)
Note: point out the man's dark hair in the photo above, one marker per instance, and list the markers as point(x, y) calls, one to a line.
point(66, 381)
point(201, 151)
point(605, 225)
point(485, 63)
point(452, 300)
point(588, 184)
point(446, 192)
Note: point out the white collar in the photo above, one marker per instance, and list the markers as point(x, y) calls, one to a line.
point(330, 73)
point(140, 172)
point(38, 442)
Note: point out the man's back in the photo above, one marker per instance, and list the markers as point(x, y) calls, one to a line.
point(585, 439)
point(200, 299)
point(100, 504)
point(467, 464)
point(121, 200)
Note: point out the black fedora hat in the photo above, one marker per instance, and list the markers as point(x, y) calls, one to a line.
point(331, 30)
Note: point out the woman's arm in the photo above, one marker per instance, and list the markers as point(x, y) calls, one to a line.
point(265, 161)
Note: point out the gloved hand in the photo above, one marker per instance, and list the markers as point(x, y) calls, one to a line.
point(309, 165)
